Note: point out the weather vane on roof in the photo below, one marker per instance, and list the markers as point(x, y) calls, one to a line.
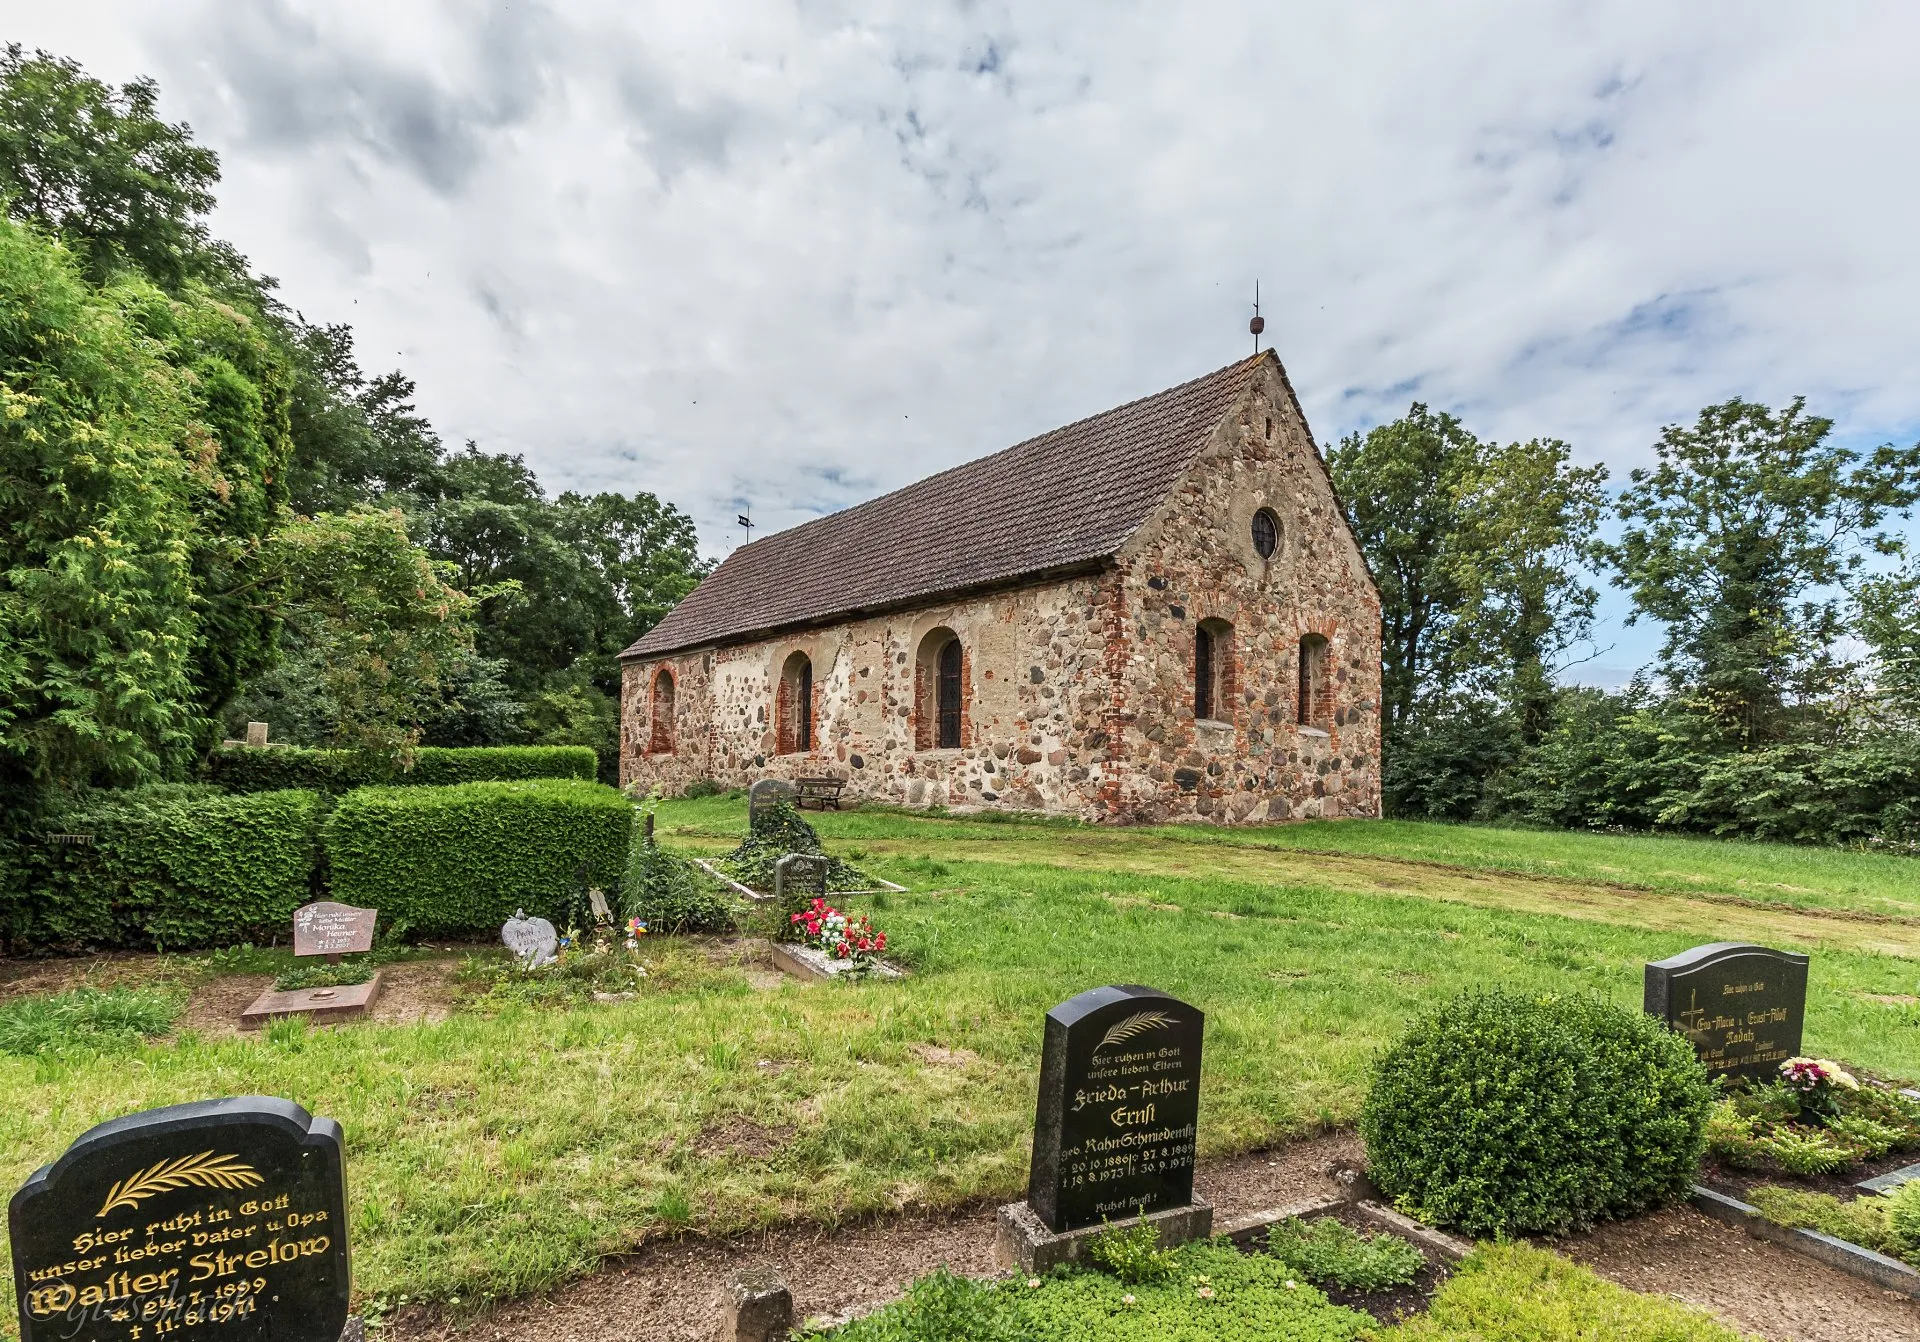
point(1259, 323)
point(746, 522)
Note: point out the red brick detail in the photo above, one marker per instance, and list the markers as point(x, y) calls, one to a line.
point(660, 740)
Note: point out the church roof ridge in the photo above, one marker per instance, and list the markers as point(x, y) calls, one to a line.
point(1059, 501)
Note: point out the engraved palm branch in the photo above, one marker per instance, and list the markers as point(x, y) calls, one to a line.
point(1137, 1024)
point(205, 1170)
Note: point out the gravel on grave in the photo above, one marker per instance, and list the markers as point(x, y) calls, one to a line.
point(668, 1292)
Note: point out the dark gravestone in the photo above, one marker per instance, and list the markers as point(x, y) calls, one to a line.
point(221, 1219)
point(1119, 1097)
point(326, 928)
point(798, 878)
point(1742, 1006)
point(766, 794)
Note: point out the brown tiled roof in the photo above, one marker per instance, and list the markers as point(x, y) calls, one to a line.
point(1062, 501)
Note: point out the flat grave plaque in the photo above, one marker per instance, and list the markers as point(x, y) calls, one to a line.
point(1119, 1100)
point(766, 794)
point(1743, 1006)
point(220, 1220)
point(327, 928)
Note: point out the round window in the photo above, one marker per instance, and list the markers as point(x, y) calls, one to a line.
point(1266, 533)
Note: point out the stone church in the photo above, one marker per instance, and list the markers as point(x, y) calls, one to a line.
point(1155, 614)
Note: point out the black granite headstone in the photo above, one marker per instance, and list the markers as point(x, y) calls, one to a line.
point(766, 794)
point(1119, 1099)
point(221, 1221)
point(1742, 1006)
point(799, 879)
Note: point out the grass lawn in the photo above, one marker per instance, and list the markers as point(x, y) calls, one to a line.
point(511, 1146)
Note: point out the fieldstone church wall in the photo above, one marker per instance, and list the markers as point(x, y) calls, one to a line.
point(1079, 693)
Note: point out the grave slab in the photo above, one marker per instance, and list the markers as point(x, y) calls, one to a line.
point(810, 962)
point(321, 1006)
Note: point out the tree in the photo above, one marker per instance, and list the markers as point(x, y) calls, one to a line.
point(1738, 540)
point(360, 440)
point(96, 166)
point(374, 629)
point(1475, 548)
point(97, 603)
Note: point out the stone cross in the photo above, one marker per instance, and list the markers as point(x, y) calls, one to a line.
point(1742, 1006)
point(256, 1184)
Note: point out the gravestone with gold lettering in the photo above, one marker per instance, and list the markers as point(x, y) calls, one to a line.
point(1742, 1006)
point(220, 1221)
point(1114, 1130)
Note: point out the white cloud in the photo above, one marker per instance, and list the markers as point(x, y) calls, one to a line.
point(783, 256)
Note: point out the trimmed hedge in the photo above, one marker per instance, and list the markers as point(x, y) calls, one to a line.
point(448, 860)
point(242, 769)
point(173, 867)
point(1507, 1114)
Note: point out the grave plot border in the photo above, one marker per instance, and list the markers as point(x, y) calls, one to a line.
point(1887, 1273)
point(761, 897)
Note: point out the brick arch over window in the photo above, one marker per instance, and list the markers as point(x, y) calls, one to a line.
point(940, 692)
point(660, 738)
point(1214, 669)
point(1314, 701)
point(793, 707)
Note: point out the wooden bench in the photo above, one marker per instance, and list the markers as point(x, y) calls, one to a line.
point(819, 793)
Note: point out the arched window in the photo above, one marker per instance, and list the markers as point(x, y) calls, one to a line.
point(940, 692)
point(660, 742)
point(1313, 698)
point(1213, 671)
point(793, 707)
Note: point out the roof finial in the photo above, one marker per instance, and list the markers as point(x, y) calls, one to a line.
point(1259, 323)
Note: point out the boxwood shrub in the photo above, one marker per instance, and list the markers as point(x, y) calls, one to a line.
point(461, 859)
point(241, 769)
point(1507, 1114)
point(170, 866)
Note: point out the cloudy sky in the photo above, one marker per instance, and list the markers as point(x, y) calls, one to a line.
point(781, 257)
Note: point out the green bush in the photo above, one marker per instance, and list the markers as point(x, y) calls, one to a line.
point(1134, 1255)
point(241, 769)
point(1329, 1251)
point(1506, 1114)
point(169, 866)
point(1516, 1293)
point(671, 895)
point(451, 860)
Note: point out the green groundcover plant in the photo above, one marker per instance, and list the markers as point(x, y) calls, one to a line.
point(1816, 1119)
point(781, 831)
point(671, 895)
point(1329, 1252)
point(1504, 1113)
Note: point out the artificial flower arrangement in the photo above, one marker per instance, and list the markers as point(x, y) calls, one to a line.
point(840, 936)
